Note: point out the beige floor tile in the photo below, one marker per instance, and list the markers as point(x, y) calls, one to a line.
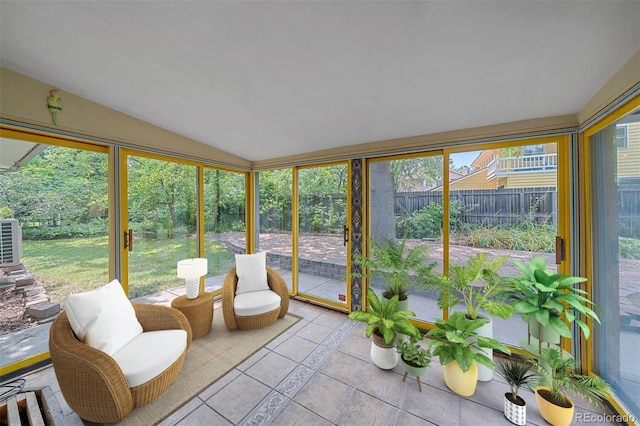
point(271, 369)
point(295, 414)
point(204, 415)
point(182, 412)
point(330, 319)
point(324, 396)
point(314, 332)
point(296, 348)
point(362, 409)
point(238, 398)
point(433, 404)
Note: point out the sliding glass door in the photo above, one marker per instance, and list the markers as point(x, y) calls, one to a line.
point(615, 230)
point(322, 242)
point(161, 222)
point(504, 202)
point(406, 204)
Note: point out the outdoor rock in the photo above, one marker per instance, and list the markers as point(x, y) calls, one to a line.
point(44, 310)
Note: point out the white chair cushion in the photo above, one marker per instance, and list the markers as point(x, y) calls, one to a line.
point(149, 354)
point(251, 270)
point(255, 303)
point(103, 318)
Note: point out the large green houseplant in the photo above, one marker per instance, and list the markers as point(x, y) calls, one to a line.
point(545, 300)
point(384, 321)
point(458, 346)
point(477, 286)
point(556, 372)
point(399, 271)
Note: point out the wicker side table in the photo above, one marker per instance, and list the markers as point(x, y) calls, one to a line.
point(199, 312)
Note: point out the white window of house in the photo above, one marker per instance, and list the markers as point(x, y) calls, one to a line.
point(533, 149)
point(622, 136)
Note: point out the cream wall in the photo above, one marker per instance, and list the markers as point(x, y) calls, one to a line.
point(622, 81)
point(24, 99)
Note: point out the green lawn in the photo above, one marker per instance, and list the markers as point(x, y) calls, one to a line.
point(79, 264)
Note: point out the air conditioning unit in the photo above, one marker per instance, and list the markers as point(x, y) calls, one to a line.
point(10, 242)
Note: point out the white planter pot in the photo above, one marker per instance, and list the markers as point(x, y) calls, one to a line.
point(383, 356)
point(485, 374)
point(515, 413)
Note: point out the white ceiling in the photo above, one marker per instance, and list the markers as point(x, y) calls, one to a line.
point(274, 78)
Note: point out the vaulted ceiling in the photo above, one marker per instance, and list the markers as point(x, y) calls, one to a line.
point(268, 79)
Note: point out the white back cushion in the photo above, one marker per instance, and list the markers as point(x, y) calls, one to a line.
point(103, 318)
point(251, 270)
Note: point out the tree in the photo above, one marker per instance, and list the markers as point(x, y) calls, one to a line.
point(381, 201)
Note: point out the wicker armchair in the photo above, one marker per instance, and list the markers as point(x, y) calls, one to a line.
point(91, 381)
point(233, 321)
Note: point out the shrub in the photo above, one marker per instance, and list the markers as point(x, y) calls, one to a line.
point(427, 222)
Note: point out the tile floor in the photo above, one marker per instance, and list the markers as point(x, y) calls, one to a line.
point(319, 373)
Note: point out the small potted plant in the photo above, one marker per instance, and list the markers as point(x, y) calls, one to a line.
point(546, 300)
point(398, 271)
point(384, 321)
point(556, 376)
point(458, 347)
point(517, 374)
point(414, 358)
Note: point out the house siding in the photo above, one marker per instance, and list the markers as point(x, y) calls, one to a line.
point(531, 180)
point(629, 158)
point(476, 181)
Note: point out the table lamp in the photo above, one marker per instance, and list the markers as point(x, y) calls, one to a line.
point(191, 270)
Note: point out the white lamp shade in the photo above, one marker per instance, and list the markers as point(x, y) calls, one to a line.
point(192, 268)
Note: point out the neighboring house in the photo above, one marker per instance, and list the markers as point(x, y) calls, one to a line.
point(535, 166)
point(628, 143)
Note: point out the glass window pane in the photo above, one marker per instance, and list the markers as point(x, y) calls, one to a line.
point(163, 216)
point(275, 220)
point(405, 202)
point(504, 202)
point(322, 215)
point(616, 257)
point(224, 223)
point(58, 198)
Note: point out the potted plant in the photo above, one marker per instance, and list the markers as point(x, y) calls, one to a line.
point(545, 300)
point(414, 358)
point(398, 271)
point(556, 372)
point(517, 374)
point(459, 354)
point(384, 321)
point(478, 286)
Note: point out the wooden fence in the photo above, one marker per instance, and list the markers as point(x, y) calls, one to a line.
point(488, 207)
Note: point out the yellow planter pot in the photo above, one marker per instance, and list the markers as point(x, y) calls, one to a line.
point(552, 413)
point(462, 383)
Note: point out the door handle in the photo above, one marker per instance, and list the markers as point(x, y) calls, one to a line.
point(560, 250)
point(128, 239)
point(345, 235)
